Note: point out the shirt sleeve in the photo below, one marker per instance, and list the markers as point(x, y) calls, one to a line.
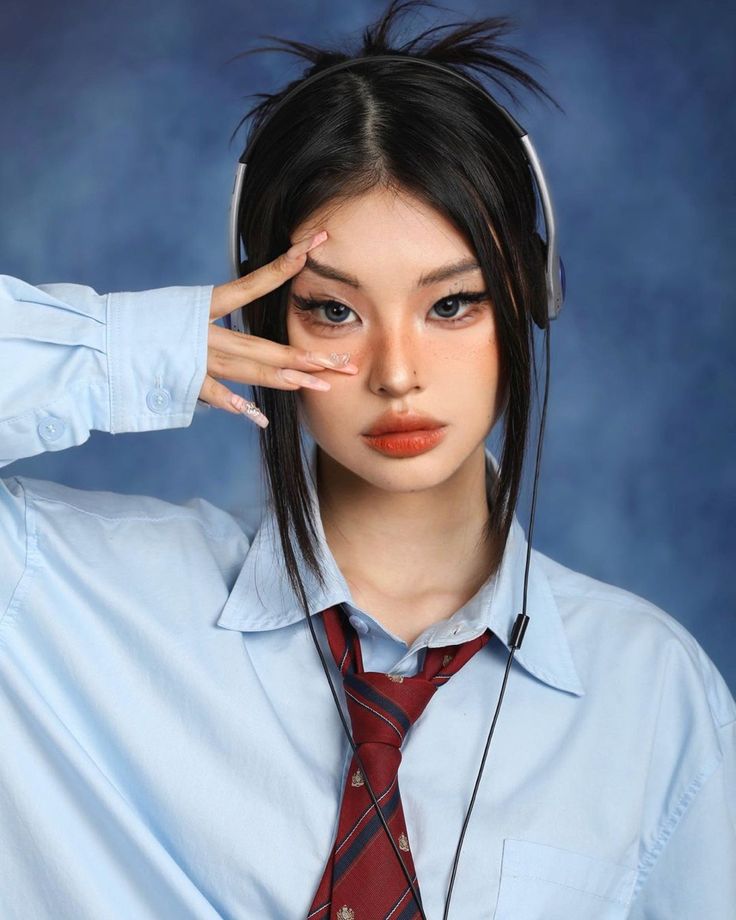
point(74, 360)
point(689, 872)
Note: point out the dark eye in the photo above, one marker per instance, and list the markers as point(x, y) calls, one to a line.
point(452, 304)
point(456, 301)
point(335, 312)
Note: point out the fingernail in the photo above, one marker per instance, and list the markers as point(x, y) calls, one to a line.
point(317, 239)
point(333, 360)
point(249, 409)
point(297, 250)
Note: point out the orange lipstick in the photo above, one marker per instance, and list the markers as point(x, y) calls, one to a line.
point(406, 443)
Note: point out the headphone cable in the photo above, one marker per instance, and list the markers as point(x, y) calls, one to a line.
point(517, 637)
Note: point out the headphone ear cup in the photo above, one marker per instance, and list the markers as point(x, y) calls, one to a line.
point(563, 285)
point(539, 302)
point(539, 307)
point(539, 313)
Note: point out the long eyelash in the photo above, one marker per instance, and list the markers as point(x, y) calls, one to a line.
point(308, 304)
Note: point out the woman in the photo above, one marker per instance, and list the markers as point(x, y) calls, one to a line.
point(171, 748)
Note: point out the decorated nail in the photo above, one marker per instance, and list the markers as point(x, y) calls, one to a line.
point(249, 409)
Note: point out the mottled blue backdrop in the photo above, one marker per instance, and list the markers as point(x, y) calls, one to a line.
point(116, 172)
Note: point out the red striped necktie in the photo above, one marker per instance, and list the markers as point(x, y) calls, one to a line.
point(363, 879)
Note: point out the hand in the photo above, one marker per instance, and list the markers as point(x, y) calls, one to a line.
point(254, 360)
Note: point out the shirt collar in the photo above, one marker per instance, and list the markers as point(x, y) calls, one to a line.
point(262, 597)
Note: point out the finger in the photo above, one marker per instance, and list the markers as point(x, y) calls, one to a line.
point(234, 294)
point(240, 344)
point(256, 373)
point(218, 395)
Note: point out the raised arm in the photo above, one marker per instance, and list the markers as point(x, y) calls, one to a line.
point(74, 360)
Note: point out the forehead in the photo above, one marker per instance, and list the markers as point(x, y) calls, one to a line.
point(385, 232)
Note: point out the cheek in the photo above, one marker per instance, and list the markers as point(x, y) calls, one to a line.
point(328, 410)
point(475, 359)
point(471, 378)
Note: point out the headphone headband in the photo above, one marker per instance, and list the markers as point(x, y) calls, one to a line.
point(554, 273)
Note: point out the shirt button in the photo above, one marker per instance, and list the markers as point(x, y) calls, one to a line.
point(51, 428)
point(158, 399)
point(360, 626)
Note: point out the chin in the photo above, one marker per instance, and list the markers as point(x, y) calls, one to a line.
point(405, 474)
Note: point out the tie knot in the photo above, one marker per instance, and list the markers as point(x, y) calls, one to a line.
point(383, 707)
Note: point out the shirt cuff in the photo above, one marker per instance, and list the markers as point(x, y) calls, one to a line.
point(157, 356)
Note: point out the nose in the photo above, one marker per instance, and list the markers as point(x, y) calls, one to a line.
point(396, 362)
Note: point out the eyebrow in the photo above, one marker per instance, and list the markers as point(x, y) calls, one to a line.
point(433, 277)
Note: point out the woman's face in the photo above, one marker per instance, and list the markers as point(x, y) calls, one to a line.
point(420, 348)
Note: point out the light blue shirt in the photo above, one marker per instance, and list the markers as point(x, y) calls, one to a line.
point(170, 746)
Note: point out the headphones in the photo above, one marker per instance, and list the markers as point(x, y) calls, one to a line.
point(555, 290)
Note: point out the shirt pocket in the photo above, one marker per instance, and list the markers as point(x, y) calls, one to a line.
point(541, 882)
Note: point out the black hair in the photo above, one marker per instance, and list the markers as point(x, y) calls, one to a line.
point(406, 128)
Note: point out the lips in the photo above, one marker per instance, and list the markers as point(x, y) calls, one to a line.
point(393, 423)
point(406, 443)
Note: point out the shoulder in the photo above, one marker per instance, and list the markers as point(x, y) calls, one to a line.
point(611, 628)
point(51, 501)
